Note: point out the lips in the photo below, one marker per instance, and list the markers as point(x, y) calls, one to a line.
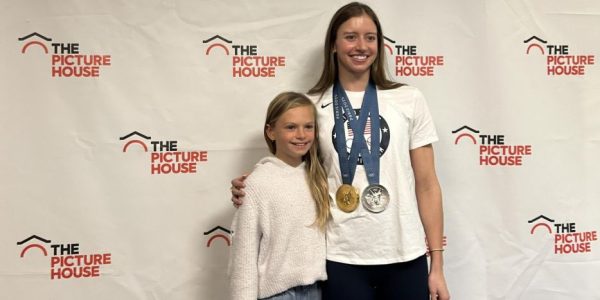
point(359, 57)
point(300, 144)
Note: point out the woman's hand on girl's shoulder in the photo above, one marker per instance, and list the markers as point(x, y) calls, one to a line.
point(237, 190)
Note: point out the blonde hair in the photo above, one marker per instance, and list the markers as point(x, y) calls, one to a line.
point(315, 173)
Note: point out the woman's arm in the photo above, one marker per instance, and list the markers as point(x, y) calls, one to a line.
point(429, 200)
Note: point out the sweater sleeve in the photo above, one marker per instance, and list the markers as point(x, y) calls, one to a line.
point(243, 259)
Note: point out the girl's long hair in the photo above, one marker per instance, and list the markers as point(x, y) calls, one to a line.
point(330, 64)
point(315, 173)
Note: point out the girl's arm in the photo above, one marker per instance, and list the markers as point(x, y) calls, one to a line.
point(243, 259)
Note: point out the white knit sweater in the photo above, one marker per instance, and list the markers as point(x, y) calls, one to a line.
point(274, 245)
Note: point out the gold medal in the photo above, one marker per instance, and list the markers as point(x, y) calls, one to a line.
point(347, 198)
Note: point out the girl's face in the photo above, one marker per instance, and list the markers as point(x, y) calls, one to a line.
point(356, 46)
point(293, 133)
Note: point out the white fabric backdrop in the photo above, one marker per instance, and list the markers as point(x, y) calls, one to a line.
point(68, 184)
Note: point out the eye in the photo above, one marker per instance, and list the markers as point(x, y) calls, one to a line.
point(310, 126)
point(350, 37)
point(290, 127)
point(372, 38)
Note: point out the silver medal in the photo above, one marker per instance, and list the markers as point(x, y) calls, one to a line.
point(375, 198)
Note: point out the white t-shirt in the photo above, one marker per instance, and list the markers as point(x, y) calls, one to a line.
point(396, 234)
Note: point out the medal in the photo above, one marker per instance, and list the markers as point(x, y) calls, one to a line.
point(375, 198)
point(346, 198)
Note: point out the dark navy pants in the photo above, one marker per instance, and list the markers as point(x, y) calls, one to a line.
point(399, 281)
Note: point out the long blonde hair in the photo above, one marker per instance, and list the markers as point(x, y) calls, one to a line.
point(315, 173)
point(330, 64)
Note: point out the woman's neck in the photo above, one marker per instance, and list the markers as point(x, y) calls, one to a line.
point(353, 83)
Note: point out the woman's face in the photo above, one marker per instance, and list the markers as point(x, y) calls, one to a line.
point(356, 46)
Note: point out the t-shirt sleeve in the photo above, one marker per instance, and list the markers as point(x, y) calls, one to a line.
point(243, 257)
point(422, 127)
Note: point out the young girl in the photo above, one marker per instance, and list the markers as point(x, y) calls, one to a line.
point(278, 249)
point(380, 170)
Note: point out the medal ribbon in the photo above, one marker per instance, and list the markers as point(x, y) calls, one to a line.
point(369, 108)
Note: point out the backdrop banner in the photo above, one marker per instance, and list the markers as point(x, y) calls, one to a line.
point(123, 123)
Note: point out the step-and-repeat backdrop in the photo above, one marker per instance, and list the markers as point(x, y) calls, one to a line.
point(123, 122)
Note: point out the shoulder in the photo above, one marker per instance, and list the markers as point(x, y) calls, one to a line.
point(319, 98)
point(405, 92)
point(263, 170)
point(267, 171)
point(407, 98)
point(259, 181)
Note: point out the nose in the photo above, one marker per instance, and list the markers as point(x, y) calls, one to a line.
point(300, 134)
point(361, 43)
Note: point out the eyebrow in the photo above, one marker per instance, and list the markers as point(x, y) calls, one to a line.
point(354, 32)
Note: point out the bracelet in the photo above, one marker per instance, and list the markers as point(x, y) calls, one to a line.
point(433, 250)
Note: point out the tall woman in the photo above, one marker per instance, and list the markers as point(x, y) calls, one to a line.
point(387, 199)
